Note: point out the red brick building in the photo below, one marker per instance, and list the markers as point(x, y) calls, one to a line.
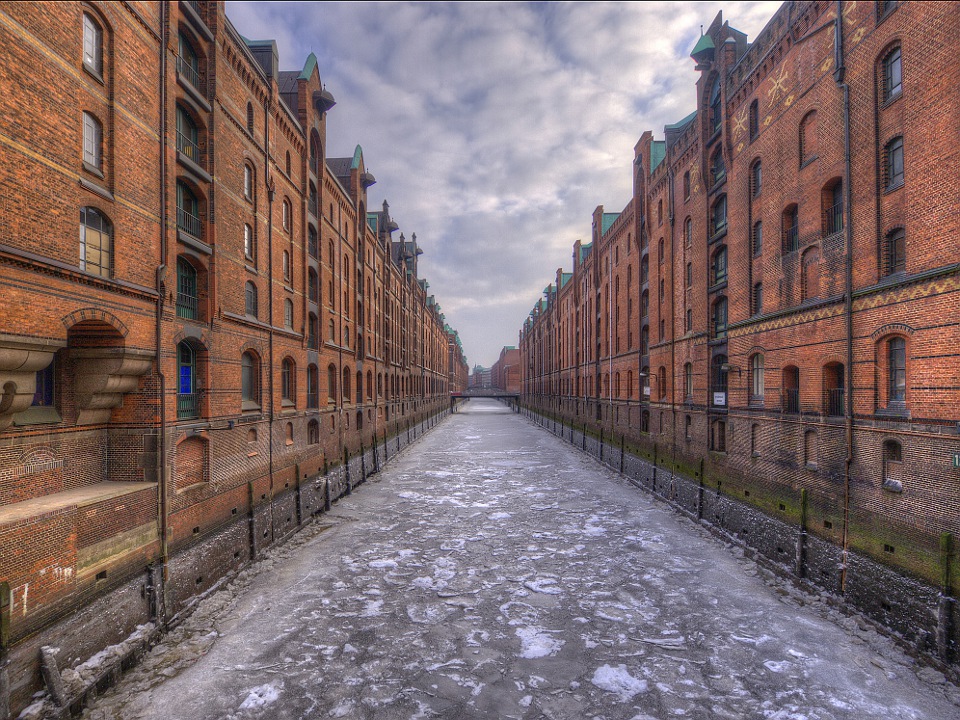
point(505, 373)
point(234, 320)
point(774, 308)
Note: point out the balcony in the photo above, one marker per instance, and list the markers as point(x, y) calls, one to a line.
point(188, 147)
point(791, 401)
point(189, 223)
point(189, 73)
point(833, 219)
point(188, 406)
point(791, 239)
point(187, 306)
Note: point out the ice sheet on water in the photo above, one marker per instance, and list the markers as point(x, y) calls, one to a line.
point(536, 643)
point(498, 516)
point(262, 696)
point(544, 586)
point(617, 680)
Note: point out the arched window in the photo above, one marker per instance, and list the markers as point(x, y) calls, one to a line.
point(288, 314)
point(187, 300)
point(313, 331)
point(644, 304)
point(188, 62)
point(689, 274)
point(718, 265)
point(790, 387)
point(313, 285)
point(249, 382)
point(92, 142)
point(287, 164)
point(315, 155)
point(644, 270)
point(332, 384)
point(359, 387)
point(892, 75)
point(288, 377)
point(249, 243)
point(756, 178)
point(808, 137)
point(250, 117)
point(312, 201)
point(188, 136)
point(810, 279)
point(96, 242)
point(756, 378)
point(897, 369)
point(831, 198)
point(659, 212)
point(369, 385)
point(346, 385)
point(791, 229)
point(716, 110)
point(188, 211)
point(250, 299)
point(893, 163)
point(688, 382)
point(754, 120)
point(893, 252)
point(833, 389)
point(187, 398)
point(720, 317)
point(718, 168)
point(92, 45)
point(287, 212)
point(757, 237)
point(248, 181)
point(313, 432)
point(313, 387)
point(718, 215)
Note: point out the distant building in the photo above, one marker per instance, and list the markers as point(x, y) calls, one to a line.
point(480, 378)
point(505, 373)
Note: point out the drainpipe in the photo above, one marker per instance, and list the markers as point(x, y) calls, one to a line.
point(671, 178)
point(839, 77)
point(162, 509)
point(270, 373)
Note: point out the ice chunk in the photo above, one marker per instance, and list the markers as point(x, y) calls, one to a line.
point(617, 680)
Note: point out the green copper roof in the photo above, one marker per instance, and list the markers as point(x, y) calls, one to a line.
point(704, 43)
point(658, 151)
point(683, 123)
point(372, 220)
point(585, 251)
point(308, 67)
point(565, 278)
point(357, 157)
point(608, 220)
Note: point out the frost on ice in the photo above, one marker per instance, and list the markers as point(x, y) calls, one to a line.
point(618, 680)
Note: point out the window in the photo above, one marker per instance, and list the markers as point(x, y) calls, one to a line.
point(810, 449)
point(688, 381)
point(756, 378)
point(754, 436)
point(790, 384)
point(286, 209)
point(313, 387)
point(757, 299)
point(249, 382)
point(893, 163)
point(716, 114)
point(96, 242)
point(719, 379)
point(718, 169)
point(187, 405)
point(791, 229)
point(688, 232)
point(892, 75)
point(720, 317)
point(92, 45)
point(45, 393)
point(332, 383)
point(248, 182)
point(659, 212)
point(288, 314)
point(719, 265)
point(718, 215)
point(333, 331)
point(689, 325)
point(754, 121)
point(287, 269)
point(249, 243)
point(92, 142)
point(313, 285)
point(313, 432)
point(897, 365)
point(892, 466)
point(288, 376)
point(644, 304)
point(885, 7)
point(689, 274)
point(250, 118)
point(757, 239)
point(893, 252)
point(718, 436)
point(188, 211)
point(250, 299)
point(686, 185)
point(188, 136)
point(346, 385)
point(808, 137)
point(756, 178)
point(187, 301)
point(188, 62)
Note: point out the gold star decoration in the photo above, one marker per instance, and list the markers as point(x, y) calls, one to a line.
point(779, 84)
point(740, 123)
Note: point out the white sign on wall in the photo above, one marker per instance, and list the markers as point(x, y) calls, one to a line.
point(720, 398)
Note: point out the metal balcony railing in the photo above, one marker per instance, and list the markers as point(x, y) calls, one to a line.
point(187, 306)
point(188, 406)
point(188, 147)
point(791, 401)
point(791, 238)
point(835, 402)
point(189, 223)
point(189, 73)
point(833, 219)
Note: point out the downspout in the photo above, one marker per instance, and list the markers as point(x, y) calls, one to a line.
point(671, 178)
point(270, 372)
point(162, 509)
point(839, 77)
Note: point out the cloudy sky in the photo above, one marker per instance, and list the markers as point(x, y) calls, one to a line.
point(494, 130)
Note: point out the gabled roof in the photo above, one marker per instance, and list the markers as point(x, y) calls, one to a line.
point(340, 167)
point(565, 278)
point(682, 123)
point(658, 151)
point(585, 251)
point(607, 221)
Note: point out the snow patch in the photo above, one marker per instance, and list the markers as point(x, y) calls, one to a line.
point(262, 696)
point(498, 516)
point(617, 680)
point(536, 643)
point(544, 586)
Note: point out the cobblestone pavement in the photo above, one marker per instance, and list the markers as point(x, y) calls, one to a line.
point(491, 571)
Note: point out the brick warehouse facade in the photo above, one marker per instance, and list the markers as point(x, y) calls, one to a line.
point(774, 312)
point(235, 320)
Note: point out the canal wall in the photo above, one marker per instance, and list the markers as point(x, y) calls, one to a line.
point(116, 624)
point(923, 618)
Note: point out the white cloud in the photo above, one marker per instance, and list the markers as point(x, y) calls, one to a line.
point(494, 130)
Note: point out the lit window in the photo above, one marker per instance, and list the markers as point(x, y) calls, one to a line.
point(92, 45)
point(92, 142)
point(96, 242)
point(187, 406)
point(894, 163)
point(892, 75)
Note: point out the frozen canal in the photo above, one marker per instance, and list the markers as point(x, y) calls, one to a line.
point(493, 572)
